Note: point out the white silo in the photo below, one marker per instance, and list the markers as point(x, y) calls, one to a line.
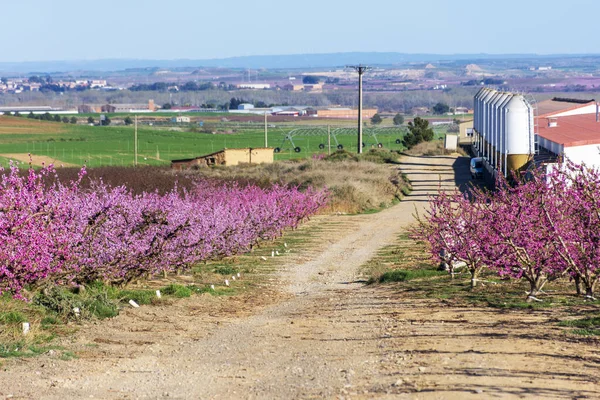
point(502, 130)
point(519, 133)
point(497, 128)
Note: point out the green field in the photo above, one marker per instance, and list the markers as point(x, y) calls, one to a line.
point(114, 145)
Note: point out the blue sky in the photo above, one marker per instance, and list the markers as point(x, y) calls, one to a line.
point(41, 30)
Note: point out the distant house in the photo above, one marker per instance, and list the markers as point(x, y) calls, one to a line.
point(227, 157)
point(293, 87)
point(97, 84)
point(420, 111)
point(181, 120)
point(245, 106)
point(257, 86)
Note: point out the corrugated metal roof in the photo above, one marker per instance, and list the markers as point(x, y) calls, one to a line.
point(554, 106)
point(574, 130)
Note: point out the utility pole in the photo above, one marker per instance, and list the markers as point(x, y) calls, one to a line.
point(329, 139)
point(266, 139)
point(361, 69)
point(135, 143)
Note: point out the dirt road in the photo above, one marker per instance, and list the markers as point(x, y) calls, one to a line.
point(327, 335)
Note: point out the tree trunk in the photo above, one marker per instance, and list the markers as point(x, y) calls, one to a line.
point(474, 276)
point(589, 288)
point(534, 289)
point(577, 280)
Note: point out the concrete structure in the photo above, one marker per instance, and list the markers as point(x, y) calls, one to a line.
point(227, 157)
point(503, 130)
point(451, 142)
point(576, 137)
point(245, 106)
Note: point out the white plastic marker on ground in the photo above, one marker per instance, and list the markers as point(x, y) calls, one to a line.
point(233, 278)
point(134, 304)
point(285, 245)
point(272, 254)
point(212, 287)
point(238, 275)
point(226, 282)
point(158, 294)
point(264, 258)
point(26, 328)
point(277, 252)
point(77, 311)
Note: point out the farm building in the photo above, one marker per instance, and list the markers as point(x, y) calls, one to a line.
point(465, 131)
point(576, 137)
point(346, 113)
point(116, 108)
point(562, 107)
point(227, 157)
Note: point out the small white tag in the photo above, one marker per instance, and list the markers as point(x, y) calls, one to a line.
point(134, 304)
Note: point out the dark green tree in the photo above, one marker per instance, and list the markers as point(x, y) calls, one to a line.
point(30, 115)
point(398, 119)
point(376, 119)
point(310, 80)
point(90, 120)
point(128, 120)
point(418, 131)
point(441, 108)
point(7, 113)
point(106, 121)
point(73, 120)
point(166, 106)
point(56, 118)
point(65, 120)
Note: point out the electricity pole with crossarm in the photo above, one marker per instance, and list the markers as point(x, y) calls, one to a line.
point(361, 69)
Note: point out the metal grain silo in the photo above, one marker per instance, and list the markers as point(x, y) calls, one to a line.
point(502, 131)
point(485, 126)
point(497, 133)
point(519, 133)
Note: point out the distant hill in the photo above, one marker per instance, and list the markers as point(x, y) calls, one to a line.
point(303, 61)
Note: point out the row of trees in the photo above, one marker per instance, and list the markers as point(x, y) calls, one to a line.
point(539, 229)
point(54, 233)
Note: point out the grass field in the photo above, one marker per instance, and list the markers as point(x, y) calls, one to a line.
point(114, 145)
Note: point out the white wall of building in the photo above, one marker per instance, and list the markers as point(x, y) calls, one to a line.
point(588, 154)
point(589, 109)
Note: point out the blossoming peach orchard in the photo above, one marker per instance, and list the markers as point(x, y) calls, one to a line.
point(56, 233)
point(539, 229)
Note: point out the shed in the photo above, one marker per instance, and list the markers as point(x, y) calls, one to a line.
point(227, 157)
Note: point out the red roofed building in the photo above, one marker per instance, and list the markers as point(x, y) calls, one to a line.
point(576, 137)
point(563, 107)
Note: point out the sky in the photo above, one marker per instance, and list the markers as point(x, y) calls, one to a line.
point(42, 30)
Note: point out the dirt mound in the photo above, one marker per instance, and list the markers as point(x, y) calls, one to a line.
point(36, 161)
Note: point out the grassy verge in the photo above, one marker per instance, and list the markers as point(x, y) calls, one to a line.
point(405, 264)
point(58, 311)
